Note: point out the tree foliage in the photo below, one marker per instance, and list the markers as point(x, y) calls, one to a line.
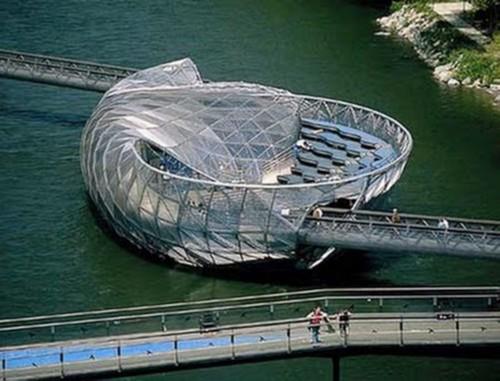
point(490, 10)
point(484, 4)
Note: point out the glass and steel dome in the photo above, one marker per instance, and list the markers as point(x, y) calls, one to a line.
point(222, 173)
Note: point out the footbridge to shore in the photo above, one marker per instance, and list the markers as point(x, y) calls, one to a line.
point(337, 228)
point(163, 338)
point(373, 230)
point(60, 71)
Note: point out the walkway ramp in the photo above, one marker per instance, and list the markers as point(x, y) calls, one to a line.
point(451, 12)
point(370, 230)
point(60, 72)
point(162, 338)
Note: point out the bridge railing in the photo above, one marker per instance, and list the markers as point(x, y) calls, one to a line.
point(413, 220)
point(60, 71)
point(234, 342)
point(370, 230)
point(405, 226)
point(176, 316)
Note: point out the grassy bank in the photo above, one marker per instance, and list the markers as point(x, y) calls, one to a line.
point(478, 64)
point(471, 62)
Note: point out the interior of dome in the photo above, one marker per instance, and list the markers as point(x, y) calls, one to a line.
point(324, 151)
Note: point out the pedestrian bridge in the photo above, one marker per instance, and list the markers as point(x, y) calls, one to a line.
point(60, 71)
point(373, 230)
point(337, 228)
point(161, 338)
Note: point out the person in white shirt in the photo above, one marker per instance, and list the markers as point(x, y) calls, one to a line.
point(443, 224)
point(301, 143)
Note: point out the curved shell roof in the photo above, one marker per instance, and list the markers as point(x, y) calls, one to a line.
point(225, 130)
point(203, 172)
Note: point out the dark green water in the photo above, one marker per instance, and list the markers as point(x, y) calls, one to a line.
point(53, 256)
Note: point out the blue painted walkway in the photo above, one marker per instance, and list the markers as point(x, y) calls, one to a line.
point(44, 356)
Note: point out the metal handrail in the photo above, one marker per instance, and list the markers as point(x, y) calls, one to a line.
point(73, 69)
point(157, 315)
point(311, 295)
point(374, 213)
point(59, 71)
point(233, 331)
point(63, 60)
point(299, 322)
point(347, 221)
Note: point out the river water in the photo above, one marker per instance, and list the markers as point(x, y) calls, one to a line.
point(55, 258)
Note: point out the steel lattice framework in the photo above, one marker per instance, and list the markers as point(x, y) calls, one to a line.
point(60, 71)
point(144, 339)
point(224, 139)
point(178, 166)
point(414, 233)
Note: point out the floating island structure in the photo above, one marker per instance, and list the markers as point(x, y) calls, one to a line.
point(224, 173)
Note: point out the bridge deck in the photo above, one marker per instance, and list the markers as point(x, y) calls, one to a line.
point(119, 354)
point(60, 71)
point(370, 230)
point(337, 228)
point(154, 341)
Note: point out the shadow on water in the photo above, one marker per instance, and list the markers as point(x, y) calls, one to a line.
point(377, 4)
point(349, 269)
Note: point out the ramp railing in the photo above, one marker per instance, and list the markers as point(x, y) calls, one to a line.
point(60, 71)
point(373, 230)
point(251, 309)
point(430, 317)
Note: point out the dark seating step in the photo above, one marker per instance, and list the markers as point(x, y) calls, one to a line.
point(309, 171)
point(353, 153)
point(368, 145)
point(324, 169)
point(308, 134)
point(307, 158)
point(309, 179)
point(282, 179)
point(321, 152)
point(319, 124)
point(333, 140)
point(338, 161)
point(350, 135)
point(294, 179)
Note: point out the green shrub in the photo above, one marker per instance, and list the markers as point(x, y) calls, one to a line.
point(396, 6)
point(421, 6)
point(475, 65)
point(449, 39)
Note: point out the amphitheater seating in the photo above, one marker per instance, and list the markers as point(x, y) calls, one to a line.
point(335, 150)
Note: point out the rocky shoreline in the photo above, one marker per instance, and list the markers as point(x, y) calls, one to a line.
point(425, 32)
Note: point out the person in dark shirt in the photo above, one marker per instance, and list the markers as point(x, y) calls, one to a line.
point(343, 319)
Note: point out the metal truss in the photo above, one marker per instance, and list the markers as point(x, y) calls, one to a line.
point(61, 72)
point(369, 230)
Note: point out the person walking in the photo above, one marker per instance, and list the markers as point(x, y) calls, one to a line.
point(315, 317)
point(444, 224)
point(395, 218)
point(317, 214)
point(343, 319)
